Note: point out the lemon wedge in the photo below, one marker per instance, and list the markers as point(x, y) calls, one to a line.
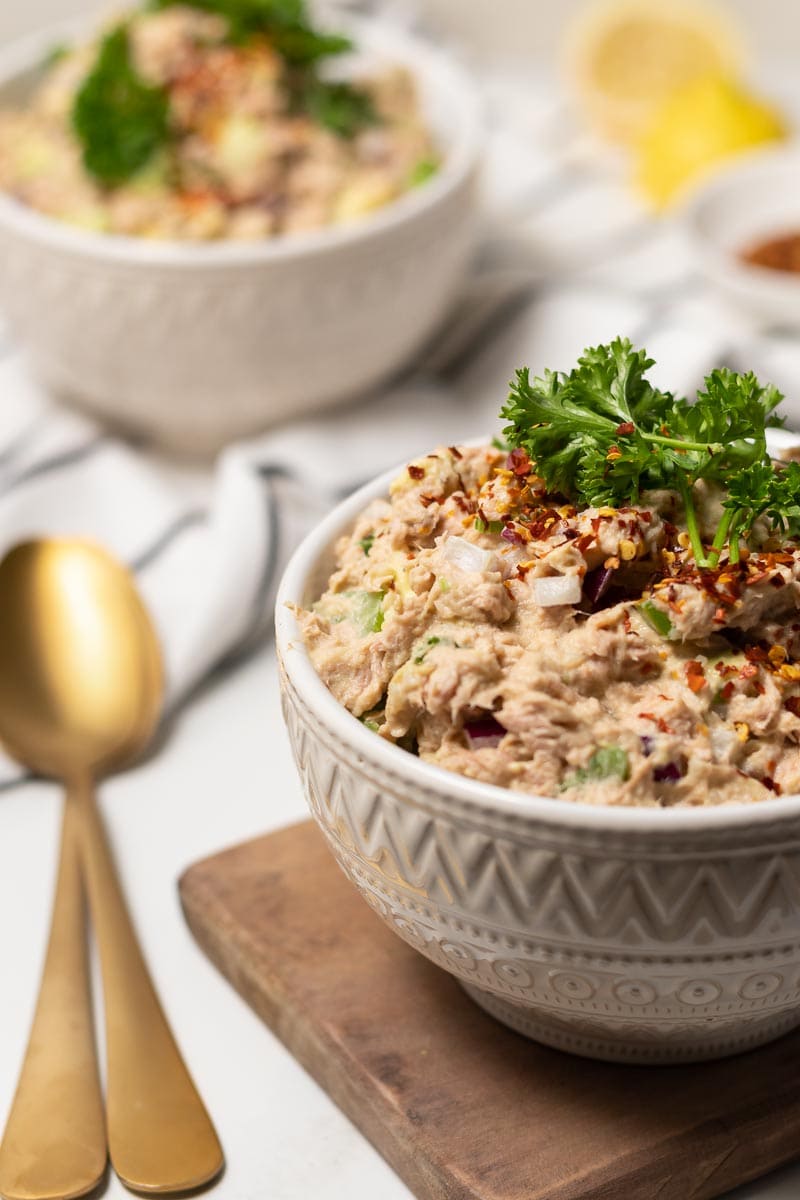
point(624, 57)
point(695, 130)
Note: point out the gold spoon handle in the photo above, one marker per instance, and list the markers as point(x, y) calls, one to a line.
point(160, 1136)
point(54, 1145)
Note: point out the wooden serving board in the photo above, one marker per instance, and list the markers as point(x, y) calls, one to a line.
point(462, 1108)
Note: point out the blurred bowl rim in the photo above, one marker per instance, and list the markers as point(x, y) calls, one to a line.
point(295, 661)
point(461, 158)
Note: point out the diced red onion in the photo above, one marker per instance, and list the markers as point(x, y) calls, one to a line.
point(484, 731)
point(518, 461)
point(467, 556)
point(551, 590)
point(670, 772)
point(596, 583)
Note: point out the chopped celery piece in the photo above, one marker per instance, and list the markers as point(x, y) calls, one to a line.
point(431, 641)
point(422, 171)
point(656, 617)
point(368, 611)
point(607, 762)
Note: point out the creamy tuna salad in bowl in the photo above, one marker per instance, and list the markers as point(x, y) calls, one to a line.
point(216, 215)
point(544, 697)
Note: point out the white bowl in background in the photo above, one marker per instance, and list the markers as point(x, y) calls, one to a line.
point(195, 344)
point(740, 206)
point(629, 934)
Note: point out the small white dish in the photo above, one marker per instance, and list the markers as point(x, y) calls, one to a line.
point(193, 345)
point(741, 206)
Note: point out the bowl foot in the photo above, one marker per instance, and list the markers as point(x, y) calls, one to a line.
point(625, 1046)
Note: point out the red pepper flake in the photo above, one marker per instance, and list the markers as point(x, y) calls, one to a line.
point(454, 450)
point(518, 461)
point(427, 501)
point(614, 452)
point(728, 690)
point(756, 654)
point(695, 675)
point(416, 472)
point(771, 786)
point(759, 688)
point(625, 428)
point(719, 616)
point(659, 722)
point(792, 705)
point(584, 542)
point(748, 671)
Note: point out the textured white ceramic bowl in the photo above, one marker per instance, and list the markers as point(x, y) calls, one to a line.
point(194, 345)
point(630, 934)
point(755, 199)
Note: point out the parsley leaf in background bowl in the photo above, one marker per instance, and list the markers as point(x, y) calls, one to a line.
point(120, 120)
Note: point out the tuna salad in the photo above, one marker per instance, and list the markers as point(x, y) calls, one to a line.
point(212, 120)
point(606, 609)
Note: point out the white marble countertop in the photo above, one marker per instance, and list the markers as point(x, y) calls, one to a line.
point(225, 775)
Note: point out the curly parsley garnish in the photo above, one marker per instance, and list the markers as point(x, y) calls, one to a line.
point(602, 434)
point(338, 106)
point(120, 120)
point(284, 22)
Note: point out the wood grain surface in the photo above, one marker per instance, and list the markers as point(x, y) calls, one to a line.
point(461, 1107)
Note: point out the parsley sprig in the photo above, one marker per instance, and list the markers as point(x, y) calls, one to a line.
point(284, 22)
point(120, 120)
point(602, 434)
point(338, 106)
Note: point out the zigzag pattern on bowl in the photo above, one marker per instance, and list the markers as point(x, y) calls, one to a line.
point(659, 1045)
point(625, 944)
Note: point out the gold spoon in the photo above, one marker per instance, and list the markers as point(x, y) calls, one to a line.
point(80, 694)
